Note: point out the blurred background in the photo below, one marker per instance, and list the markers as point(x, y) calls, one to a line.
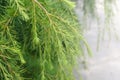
point(104, 40)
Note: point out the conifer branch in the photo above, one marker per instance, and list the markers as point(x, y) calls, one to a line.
point(41, 7)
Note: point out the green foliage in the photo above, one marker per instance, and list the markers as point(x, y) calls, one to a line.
point(39, 40)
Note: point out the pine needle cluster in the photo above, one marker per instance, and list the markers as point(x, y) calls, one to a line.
point(39, 39)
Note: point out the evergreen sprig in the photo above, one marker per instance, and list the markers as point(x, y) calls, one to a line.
point(45, 33)
point(39, 40)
